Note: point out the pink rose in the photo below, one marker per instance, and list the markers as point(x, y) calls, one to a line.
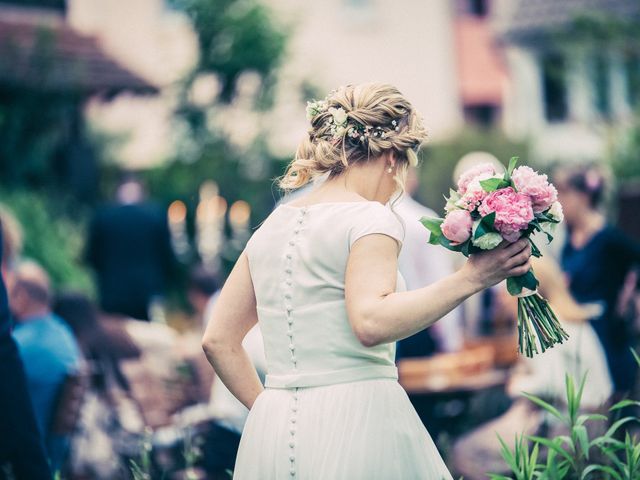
point(513, 212)
point(457, 226)
point(480, 172)
point(536, 186)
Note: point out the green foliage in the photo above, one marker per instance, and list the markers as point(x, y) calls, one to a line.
point(438, 160)
point(51, 238)
point(235, 36)
point(143, 468)
point(576, 456)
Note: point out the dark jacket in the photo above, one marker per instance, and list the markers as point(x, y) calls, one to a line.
point(20, 442)
point(130, 250)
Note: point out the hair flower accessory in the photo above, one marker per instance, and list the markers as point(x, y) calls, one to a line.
point(315, 108)
point(338, 121)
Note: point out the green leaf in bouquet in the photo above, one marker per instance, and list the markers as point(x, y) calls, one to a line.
point(486, 225)
point(514, 287)
point(543, 217)
point(493, 184)
point(529, 280)
point(512, 165)
point(434, 225)
point(516, 284)
point(535, 251)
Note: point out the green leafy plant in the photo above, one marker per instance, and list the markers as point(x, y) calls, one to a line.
point(575, 456)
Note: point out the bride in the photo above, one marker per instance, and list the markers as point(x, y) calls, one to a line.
point(320, 276)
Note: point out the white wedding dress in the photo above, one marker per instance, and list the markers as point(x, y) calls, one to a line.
point(332, 409)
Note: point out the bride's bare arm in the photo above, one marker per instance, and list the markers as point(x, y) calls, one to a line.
point(380, 315)
point(234, 314)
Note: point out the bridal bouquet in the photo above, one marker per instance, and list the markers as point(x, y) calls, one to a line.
point(489, 208)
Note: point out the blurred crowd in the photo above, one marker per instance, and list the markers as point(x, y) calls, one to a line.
point(117, 391)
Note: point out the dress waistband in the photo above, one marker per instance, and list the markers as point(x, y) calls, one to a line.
point(317, 379)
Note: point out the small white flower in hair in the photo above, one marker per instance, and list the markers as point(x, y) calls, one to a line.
point(339, 115)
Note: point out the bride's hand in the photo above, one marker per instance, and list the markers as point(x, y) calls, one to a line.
point(507, 260)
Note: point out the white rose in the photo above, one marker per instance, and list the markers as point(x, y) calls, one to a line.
point(339, 115)
point(488, 241)
point(556, 212)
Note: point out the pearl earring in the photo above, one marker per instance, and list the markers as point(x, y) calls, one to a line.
point(390, 169)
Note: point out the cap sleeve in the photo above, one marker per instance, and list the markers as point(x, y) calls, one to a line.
point(376, 218)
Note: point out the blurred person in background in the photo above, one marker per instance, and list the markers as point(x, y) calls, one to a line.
point(93, 452)
point(129, 248)
point(48, 350)
point(543, 375)
point(597, 258)
point(202, 291)
point(421, 264)
point(21, 445)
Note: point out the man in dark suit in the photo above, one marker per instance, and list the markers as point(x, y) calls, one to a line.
point(21, 447)
point(129, 248)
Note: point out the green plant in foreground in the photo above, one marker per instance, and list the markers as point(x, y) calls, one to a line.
point(575, 456)
point(142, 470)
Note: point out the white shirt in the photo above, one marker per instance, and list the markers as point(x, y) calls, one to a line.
point(421, 264)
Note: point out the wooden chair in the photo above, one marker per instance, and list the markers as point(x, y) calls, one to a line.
point(69, 402)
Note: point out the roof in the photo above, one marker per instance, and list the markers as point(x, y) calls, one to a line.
point(532, 18)
point(481, 73)
point(37, 48)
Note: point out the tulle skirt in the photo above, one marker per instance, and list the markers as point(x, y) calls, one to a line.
point(366, 430)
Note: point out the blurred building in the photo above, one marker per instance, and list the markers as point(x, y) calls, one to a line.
point(43, 58)
point(568, 88)
point(441, 54)
point(157, 43)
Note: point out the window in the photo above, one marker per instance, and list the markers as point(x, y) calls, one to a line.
point(601, 85)
point(53, 4)
point(478, 8)
point(554, 87)
point(632, 78)
point(483, 116)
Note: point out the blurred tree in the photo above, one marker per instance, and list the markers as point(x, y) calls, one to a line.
point(51, 238)
point(235, 36)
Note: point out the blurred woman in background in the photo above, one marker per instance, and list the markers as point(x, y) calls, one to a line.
point(597, 258)
point(543, 376)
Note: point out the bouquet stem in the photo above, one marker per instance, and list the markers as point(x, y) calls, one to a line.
point(536, 320)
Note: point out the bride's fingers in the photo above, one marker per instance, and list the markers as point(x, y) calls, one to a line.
point(519, 259)
point(518, 252)
point(520, 269)
point(516, 247)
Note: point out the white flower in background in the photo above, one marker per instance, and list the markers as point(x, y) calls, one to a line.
point(488, 241)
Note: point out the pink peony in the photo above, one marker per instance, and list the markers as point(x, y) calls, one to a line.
point(513, 212)
point(480, 172)
point(457, 226)
point(536, 186)
point(473, 195)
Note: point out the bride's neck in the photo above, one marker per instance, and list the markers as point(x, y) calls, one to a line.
point(369, 181)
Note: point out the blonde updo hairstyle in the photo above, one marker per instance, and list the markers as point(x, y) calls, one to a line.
point(372, 105)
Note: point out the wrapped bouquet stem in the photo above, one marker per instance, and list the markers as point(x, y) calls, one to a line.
point(488, 208)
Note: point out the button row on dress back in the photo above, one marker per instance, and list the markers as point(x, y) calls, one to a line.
point(288, 295)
